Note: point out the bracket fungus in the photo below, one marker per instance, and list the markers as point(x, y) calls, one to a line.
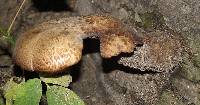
point(57, 44)
point(161, 52)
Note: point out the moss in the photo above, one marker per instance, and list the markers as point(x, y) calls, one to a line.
point(191, 60)
point(151, 21)
point(168, 98)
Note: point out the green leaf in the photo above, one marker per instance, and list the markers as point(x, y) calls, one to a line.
point(10, 39)
point(29, 93)
point(58, 95)
point(7, 36)
point(9, 91)
point(62, 80)
point(1, 100)
point(25, 93)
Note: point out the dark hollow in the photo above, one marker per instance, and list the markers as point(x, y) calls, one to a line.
point(111, 64)
point(51, 5)
point(91, 46)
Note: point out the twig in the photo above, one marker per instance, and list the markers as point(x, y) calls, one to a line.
point(10, 27)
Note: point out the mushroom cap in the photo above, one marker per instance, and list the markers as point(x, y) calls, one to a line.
point(57, 44)
point(112, 44)
point(47, 49)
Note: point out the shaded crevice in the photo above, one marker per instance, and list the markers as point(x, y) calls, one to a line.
point(91, 46)
point(51, 5)
point(75, 71)
point(111, 64)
